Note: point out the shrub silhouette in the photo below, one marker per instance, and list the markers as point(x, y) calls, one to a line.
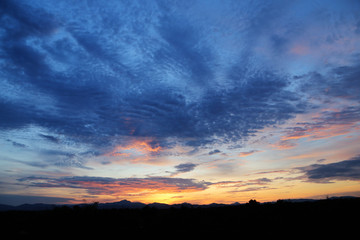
point(253, 202)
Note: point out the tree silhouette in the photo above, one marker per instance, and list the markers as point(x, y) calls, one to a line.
point(253, 202)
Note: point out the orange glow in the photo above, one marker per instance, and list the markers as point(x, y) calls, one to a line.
point(138, 146)
point(135, 151)
point(245, 154)
point(118, 154)
point(284, 138)
point(134, 187)
point(284, 145)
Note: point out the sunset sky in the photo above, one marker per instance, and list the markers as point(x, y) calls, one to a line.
point(179, 101)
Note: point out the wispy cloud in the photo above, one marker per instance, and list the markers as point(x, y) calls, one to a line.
point(252, 189)
point(245, 154)
point(119, 186)
point(16, 144)
point(49, 138)
point(324, 124)
point(243, 183)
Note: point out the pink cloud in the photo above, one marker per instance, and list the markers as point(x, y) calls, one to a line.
point(245, 154)
point(135, 151)
point(326, 124)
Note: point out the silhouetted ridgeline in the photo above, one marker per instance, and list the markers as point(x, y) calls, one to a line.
point(324, 217)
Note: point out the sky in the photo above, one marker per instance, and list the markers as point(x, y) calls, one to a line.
point(179, 101)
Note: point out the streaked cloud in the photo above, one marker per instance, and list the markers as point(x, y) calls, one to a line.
point(118, 186)
point(245, 154)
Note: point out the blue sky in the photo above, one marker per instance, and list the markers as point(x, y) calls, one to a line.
point(178, 101)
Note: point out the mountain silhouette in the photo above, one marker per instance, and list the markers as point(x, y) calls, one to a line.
point(105, 220)
point(125, 204)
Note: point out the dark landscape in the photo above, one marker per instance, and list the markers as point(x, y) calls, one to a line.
point(333, 215)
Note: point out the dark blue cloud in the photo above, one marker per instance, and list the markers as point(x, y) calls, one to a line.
point(339, 82)
point(90, 106)
point(16, 144)
point(185, 167)
point(325, 173)
point(215, 151)
point(249, 106)
point(183, 47)
point(150, 72)
point(346, 82)
point(50, 138)
point(12, 115)
point(33, 20)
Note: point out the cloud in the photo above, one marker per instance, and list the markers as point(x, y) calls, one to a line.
point(252, 189)
point(98, 89)
point(16, 144)
point(327, 123)
point(61, 158)
point(182, 168)
point(49, 138)
point(149, 185)
point(240, 183)
point(37, 164)
point(119, 186)
point(136, 150)
point(181, 37)
point(345, 82)
point(245, 154)
point(327, 173)
point(250, 185)
point(157, 72)
point(32, 20)
point(340, 81)
point(185, 167)
point(215, 151)
point(284, 144)
point(11, 115)
point(272, 171)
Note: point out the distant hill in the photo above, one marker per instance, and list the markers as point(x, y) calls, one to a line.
point(125, 204)
point(28, 207)
point(4, 207)
point(121, 204)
